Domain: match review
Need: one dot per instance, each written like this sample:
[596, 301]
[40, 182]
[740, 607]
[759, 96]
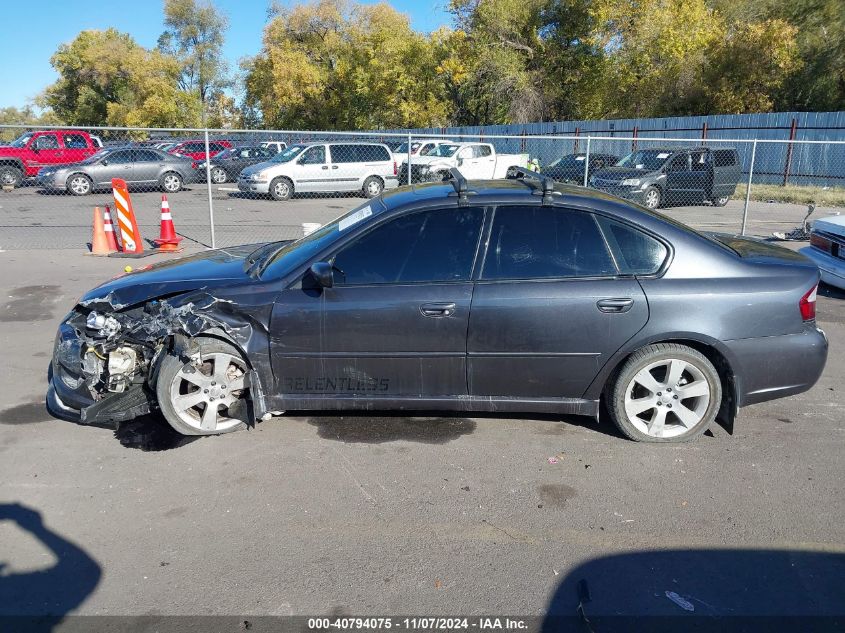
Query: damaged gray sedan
[515, 295]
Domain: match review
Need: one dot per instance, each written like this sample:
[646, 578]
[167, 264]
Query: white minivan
[323, 167]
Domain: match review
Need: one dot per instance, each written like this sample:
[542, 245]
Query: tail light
[807, 305]
[395, 171]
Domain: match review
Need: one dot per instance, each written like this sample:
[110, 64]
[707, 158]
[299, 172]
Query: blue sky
[30, 38]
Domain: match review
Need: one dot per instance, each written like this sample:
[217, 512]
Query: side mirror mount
[104, 162]
[323, 274]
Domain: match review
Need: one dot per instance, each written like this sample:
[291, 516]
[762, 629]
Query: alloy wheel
[80, 185]
[667, 398]
[205, 395]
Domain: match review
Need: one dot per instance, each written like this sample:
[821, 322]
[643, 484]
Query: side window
[482, 151]
[466, 152]
[214, 147]
[75, 141]
[372, 154]
[679, 163]
[343, 153]
[315, 155]
[47, 141]
[426, 149]
[724, 158]
[119, 158]
[428, 246]
[544, 243]
[146, 156]
[636, 253]
[699, 161]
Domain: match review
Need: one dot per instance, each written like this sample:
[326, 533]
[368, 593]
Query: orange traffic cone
[167, 241]
[99, 242]
[109, 227]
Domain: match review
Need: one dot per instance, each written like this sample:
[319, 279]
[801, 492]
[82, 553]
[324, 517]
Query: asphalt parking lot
[340, 514]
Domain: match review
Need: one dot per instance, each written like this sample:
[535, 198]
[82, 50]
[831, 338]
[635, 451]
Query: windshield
[648, 159]
[444, 150]
[21, 141]
[573, 160]
[288, 154]
[297, 253]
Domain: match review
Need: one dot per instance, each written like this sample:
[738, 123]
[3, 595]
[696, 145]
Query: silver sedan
[147, 167]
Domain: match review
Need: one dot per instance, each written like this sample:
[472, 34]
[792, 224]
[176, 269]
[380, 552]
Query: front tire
[652, 198]
[720, 202]
[208, 398]
[10, 176]
[373, 187]
[281, 189]
[79, 185]
[171, 182]
[665, 393]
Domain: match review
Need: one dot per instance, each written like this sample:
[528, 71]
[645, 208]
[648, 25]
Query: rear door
[77, 147]
[345, 168]
[146, 165]
[726, 172]
[550, 306]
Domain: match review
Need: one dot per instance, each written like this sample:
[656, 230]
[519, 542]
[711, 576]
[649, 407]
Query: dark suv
[657, 177]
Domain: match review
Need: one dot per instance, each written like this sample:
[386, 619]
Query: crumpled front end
[105, 363]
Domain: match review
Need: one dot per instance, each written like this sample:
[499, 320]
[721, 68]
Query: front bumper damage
[107, 374]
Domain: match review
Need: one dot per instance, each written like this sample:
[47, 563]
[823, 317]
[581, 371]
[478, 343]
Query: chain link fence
[227, 187]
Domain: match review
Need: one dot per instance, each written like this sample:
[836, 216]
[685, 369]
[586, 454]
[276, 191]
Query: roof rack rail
[547, 185]
[459, 183]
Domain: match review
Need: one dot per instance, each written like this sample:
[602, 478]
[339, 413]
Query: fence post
[587, 162]
[575, 143]
[748, 186]
[409, 158]
[634, 141]
[788, 165]
[208, 184]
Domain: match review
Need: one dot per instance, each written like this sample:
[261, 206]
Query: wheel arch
[710, 348]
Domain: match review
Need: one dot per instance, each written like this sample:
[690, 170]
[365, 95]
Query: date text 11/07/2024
[419, 623]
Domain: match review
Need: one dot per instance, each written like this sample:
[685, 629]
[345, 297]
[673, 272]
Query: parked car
[827, 249]
[508, 295]
[137, 166]
[324, 167]
[23, 157]
[658, 177]
[570, 168]
[196, 149]
[422, 147]
[226, 166]
[475, 160]
[275, 146]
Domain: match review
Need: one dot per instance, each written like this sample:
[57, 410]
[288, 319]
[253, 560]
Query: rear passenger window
[75, 141]
[482, 150]
[544, 243]
[636, 253]
[724, 158]
[429, 246]
[372, 153]
[343, 153]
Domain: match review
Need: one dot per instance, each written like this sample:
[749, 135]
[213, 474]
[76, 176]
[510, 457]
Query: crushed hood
[217, 268]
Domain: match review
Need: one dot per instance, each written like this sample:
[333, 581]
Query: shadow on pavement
[718, 590]
[39, 600]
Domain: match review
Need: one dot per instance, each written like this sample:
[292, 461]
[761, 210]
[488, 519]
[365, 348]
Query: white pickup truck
[476, 161]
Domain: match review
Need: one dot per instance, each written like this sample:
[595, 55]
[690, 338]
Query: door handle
[614, 305]
[334, 166]
[438, 309]
[325, 166]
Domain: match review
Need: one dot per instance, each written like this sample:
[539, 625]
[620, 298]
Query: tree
[333, 65]
[106, 78]
[194, 36]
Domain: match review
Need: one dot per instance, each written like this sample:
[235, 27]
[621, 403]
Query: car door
[466, 161]
[345, 168]
[549, 307]
[485, 161]
[679, 179]
[394, 324]
[146, 166]
[76, 147]
[311, 170]
[117, 164]
[48, 150]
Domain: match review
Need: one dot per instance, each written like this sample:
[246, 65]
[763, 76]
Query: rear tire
[720, 202]
[10, 176]
[281, 189]
[665, 393]
[208, 399]
[373, 187]
[219, 175]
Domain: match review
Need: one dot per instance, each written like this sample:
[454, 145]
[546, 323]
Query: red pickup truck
[24, 156]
